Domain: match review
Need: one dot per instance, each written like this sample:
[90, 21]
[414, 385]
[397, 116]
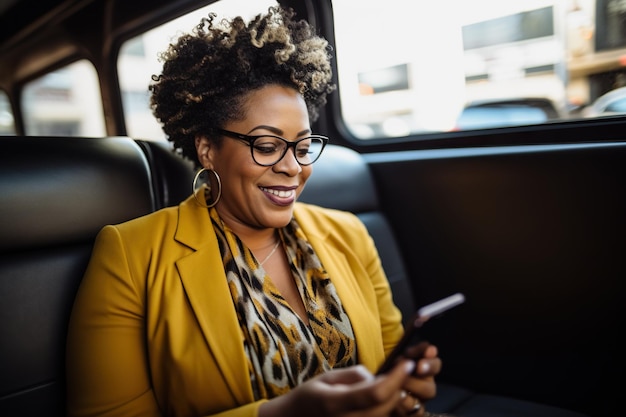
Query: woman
[241, 301]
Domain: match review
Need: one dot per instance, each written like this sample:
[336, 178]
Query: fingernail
[424, 367]
[409, 366]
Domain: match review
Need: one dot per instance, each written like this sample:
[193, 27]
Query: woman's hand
[348, 392]
[420, 386]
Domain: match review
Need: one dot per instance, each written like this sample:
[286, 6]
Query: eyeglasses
[267, 150]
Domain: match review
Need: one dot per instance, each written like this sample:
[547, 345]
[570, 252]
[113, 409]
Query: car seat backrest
[55, 195]
[172, 176]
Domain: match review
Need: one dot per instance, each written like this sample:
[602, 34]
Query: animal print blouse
[282, 350]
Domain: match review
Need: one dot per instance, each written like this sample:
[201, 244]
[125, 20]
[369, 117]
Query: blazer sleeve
[108, 367]
[107, 364]
[388, 313]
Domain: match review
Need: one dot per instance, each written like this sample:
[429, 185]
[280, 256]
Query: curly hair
[208, 74]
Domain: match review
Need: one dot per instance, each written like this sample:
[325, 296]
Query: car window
[7, 125]
[436, 60]
[611, 103]
[618, 106]
[65, 102]
[485, 117]
[139, 60]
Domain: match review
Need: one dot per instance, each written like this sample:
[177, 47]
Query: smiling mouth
[278, 193]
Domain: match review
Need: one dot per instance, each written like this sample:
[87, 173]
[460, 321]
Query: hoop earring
[203, 190]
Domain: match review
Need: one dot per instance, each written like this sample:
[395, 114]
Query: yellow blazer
[154, 332]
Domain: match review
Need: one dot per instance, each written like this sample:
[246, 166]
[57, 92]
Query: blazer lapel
[204, 281]
[203, 278]
[366, 327]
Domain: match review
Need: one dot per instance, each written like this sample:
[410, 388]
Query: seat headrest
[57, 190]
[341, 179]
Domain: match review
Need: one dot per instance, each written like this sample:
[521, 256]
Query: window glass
[7, 125]
[139, 60]
[473, 64]
[65, 102]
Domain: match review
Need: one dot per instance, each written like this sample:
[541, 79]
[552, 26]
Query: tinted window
[66, 102]
[7, 126]
[618, 106]
[420, 67]
[484, 117]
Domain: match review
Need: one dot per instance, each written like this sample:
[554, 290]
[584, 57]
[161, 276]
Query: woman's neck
[255, 239]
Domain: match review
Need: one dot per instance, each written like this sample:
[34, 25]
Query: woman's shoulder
[164, 217]
[183, 223]
[144, 231]
[323, 217]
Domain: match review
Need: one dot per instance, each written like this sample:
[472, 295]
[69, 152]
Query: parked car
[506, 112]
[611, 103]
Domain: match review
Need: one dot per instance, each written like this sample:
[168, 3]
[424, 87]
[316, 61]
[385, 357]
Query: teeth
[278, 193]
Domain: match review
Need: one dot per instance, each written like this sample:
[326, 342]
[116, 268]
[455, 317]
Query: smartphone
[410, 337]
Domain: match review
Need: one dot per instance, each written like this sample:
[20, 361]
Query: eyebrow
[277, 131]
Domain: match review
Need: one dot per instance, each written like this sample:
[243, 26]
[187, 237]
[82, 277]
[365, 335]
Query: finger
[431, 352]
[423, 388]
[381, 393]
[385, 408]
[349, 376]
[428, 367]
[409, 406]
[414, 406]
[422, 350]
[428, 363]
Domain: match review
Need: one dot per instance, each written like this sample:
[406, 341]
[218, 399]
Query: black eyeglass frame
[250, 139]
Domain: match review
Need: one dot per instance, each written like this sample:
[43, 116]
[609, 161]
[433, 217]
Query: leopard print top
[282, 350]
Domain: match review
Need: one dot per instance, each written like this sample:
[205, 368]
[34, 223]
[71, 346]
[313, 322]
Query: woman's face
[255, 196]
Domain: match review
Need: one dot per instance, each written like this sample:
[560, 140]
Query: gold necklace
[271, 253]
